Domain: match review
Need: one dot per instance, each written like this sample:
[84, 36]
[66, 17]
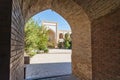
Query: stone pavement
[67, 77]
[50, 58]
[55, 63]
[34, 71]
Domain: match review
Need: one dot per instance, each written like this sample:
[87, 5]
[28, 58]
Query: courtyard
[56, 63]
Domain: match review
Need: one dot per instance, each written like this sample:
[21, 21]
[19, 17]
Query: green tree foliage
[67, 41]
[30, 35]
[42, 38]
[36, 37]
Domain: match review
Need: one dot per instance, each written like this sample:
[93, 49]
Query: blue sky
[52, 16]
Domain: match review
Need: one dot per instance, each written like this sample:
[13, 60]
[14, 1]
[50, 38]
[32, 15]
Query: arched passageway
[80, 30]
[57, 61]
[95, 26]
[82, 38]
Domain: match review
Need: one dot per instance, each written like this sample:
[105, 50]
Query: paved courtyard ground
[54, 65]
[67, 77]
[54, 56]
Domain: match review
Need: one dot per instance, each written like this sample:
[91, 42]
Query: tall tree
[36, 37]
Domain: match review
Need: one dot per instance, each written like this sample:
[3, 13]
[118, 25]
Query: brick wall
[106, 47]
[98, 8]
[17, 43]
[81, 37]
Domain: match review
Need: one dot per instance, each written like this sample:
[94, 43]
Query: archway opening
[55, 62]
[81, 33]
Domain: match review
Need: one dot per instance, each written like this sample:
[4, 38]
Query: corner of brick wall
[106, 47]
[17, 43]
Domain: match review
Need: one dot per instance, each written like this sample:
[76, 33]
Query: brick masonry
[80, 15]
[106, 47]
[98, 8]
[17, 43]
[81, 28]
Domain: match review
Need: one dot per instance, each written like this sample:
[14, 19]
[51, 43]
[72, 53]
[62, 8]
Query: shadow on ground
[48, 71]
[65, 77]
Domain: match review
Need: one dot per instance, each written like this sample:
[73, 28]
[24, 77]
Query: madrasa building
[55, 35]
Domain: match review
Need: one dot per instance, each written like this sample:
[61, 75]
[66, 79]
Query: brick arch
[81, 30]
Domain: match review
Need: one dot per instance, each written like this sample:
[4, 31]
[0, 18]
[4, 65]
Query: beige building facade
[55, 35]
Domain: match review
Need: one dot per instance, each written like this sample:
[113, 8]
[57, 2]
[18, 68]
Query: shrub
[67, 44]
[46, 50]
[31, 54]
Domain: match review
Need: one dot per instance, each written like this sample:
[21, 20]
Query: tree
[67, 41]
[30, 35]
[36, 37]
[42, 38]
